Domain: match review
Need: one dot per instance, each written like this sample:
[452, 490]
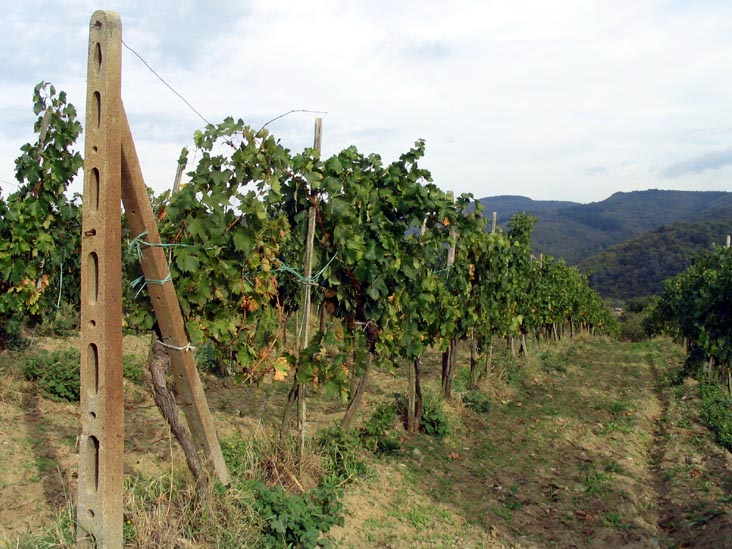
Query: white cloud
[524, 97]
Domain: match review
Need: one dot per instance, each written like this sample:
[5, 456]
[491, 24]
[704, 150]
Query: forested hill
[575, 232]
[638, 267]
[508, 205]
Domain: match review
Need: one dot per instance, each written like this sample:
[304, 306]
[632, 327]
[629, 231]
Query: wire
[195, 110]
[288, 113]
[164, 82]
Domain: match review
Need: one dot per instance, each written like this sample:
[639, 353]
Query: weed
[510, 502]
[298, 520]
[596, 482]
[132, 369]
[477, 401]
[378, 434]
[240, 454]
[621, 425]
[461, 381]
[618, 408]
[343, 453]
[63, 322]
[613, 467]
[57, 373]
[169, 511]
[550, 363]
[486, 451]
[434, 419]
[507, 367]
[612, 518]
[501, 512]
[418, 517]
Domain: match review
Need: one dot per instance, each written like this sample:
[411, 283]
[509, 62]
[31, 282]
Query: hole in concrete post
[92, 463]
[93, 278]
[94, 189]
[98, 56]
[97, 108]
[92, 366]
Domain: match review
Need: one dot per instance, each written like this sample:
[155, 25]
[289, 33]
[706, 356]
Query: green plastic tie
[311, 280]
[142, 282]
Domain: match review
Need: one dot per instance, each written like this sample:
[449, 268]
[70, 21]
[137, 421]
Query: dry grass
[171, 512]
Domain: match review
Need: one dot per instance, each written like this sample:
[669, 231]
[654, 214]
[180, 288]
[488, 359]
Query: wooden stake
[450, 356]
[306, 298]
[101, 443]
[179, 173]
[186, 381]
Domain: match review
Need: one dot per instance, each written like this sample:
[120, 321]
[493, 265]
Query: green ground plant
[379, 434]
[298, 520]
[477, 401]
[343, 453]
[716, 411]
[55, 373]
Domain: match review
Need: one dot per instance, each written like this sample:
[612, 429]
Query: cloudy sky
[562, 99]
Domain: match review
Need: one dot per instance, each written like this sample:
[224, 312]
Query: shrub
[343, 453]
[298, 520]
[378, 434]
[434, 420]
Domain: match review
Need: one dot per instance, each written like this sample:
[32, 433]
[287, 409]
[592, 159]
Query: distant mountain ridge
[574, 231]
[508, 205]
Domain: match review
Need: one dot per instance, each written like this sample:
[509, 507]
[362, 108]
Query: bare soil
[584, 446]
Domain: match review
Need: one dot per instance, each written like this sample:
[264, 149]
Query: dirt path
[582, 448]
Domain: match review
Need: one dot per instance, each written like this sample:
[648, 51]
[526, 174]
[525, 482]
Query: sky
[554, 100]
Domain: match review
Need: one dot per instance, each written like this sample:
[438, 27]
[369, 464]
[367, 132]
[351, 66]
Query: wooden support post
[306, 298]
[186, 381]
[411, 400]
[178, 176]
[494, 223]
[453, 236]
[101, 443]
[449, 358]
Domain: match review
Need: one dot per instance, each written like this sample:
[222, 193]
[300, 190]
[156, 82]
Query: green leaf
[186, 260]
